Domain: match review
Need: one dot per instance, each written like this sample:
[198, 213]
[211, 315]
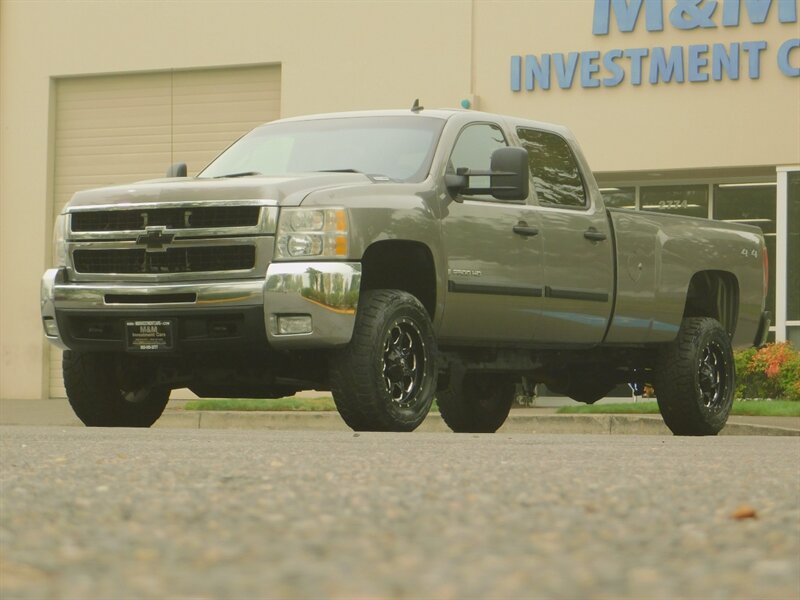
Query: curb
[330, 421]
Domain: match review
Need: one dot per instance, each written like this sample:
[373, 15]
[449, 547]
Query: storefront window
[751, 204]
[619, 197]
[793, 250]
[687, 200]
[793, 257]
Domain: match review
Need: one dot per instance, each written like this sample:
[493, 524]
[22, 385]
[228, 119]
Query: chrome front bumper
[327, 292]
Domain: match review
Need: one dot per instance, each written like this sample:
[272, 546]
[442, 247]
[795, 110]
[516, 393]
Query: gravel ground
[97, 513]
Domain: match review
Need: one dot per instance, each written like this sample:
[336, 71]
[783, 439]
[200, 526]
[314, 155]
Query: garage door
[123, 128]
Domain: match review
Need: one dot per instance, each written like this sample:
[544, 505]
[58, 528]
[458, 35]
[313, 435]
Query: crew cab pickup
[392, 257]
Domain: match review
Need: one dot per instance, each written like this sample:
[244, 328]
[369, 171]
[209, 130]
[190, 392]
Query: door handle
[594, 235]
[525, 230]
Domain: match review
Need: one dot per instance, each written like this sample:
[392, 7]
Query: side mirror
[510, 174]
[177, 170]
[509, 177]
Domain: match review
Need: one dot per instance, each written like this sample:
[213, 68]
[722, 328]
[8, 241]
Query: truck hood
[287, 190]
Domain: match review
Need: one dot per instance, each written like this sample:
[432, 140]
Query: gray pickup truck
[392, 257]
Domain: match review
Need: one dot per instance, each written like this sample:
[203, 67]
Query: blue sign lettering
[663, 68]
[691, 14]
[627, 15]
[617, 72]
[565, 70]
[754, 50]
[695, 63]
[686, 14]
[537, 71]
[783, 58]
[757, 11]
[724, 60]
[637, 56]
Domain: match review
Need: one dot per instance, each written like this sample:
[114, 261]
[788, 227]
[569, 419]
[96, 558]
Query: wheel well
[401, 265]
[714, 294]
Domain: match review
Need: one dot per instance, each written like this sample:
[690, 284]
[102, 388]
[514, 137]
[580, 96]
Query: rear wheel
[476, 402]
[385, 378]
[107, 390]
[694, 381]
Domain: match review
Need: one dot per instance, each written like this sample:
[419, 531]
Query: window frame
[587, 197]
[487, 198]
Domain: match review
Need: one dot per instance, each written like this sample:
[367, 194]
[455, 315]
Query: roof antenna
[415, 108]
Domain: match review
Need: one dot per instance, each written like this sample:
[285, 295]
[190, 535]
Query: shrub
[772, 371]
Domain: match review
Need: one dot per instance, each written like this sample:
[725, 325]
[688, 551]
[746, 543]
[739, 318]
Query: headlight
[305, 232]
[59, 241]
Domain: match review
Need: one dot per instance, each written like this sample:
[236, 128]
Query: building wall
[354, 55]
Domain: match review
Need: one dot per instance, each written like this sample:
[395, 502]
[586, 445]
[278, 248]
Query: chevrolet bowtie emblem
[156, 239]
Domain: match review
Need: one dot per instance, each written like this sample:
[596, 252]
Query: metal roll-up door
[124, 128]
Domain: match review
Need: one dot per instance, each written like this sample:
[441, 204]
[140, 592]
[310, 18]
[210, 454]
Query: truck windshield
[400, 148]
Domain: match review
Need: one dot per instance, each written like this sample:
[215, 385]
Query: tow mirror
[177, 170]
[509, 177]
[510, 174]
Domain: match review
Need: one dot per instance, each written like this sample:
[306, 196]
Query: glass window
[686, 200]
[752, 204]
[616, 197]
[397, 147]
[793, 252]
[556, 176]
[473, 151]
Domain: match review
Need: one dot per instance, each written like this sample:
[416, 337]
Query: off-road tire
[476, 402]
[695, 378]
[393, 348]
[94, 391]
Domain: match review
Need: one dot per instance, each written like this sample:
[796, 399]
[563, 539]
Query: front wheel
[694, 379]
[384, 380]
[107, 390]
[476, 402]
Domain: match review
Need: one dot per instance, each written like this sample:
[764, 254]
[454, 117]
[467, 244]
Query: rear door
[494, 254]
[577, 244]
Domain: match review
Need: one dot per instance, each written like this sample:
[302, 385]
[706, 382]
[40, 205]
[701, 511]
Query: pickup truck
[392, 257]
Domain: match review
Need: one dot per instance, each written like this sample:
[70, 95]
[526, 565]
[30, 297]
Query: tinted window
[473, 150]
[397, 147]
[555, 172]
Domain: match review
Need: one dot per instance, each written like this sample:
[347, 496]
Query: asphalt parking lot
[100, 513]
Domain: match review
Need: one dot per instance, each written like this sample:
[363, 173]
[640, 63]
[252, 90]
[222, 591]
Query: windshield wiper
[337, 171]
[244, 174]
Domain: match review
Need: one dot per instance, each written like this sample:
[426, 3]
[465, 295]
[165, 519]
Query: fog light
[50, 327]
[292, 325]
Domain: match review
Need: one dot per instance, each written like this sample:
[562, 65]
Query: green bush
[772, 371]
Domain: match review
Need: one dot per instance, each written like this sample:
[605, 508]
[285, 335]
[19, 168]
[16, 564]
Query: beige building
[680, 107]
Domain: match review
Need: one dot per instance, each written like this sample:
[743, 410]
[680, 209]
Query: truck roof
[437, 113]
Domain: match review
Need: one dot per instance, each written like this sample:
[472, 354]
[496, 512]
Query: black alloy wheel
[694, 378]
[384, 380]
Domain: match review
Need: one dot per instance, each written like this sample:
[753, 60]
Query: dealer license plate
[149, 336]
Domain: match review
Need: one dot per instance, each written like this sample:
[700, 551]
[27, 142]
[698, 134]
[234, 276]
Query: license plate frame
[149, 335]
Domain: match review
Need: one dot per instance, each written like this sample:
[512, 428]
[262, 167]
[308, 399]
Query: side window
[473, 150]
[556, 176]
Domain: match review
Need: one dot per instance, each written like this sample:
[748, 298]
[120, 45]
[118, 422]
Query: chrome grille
[194, 217]
[173, 260]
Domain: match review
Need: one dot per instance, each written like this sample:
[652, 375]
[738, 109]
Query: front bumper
[327, 292]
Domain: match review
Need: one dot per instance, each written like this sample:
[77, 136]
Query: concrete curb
[330, 421]
[55, 412]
